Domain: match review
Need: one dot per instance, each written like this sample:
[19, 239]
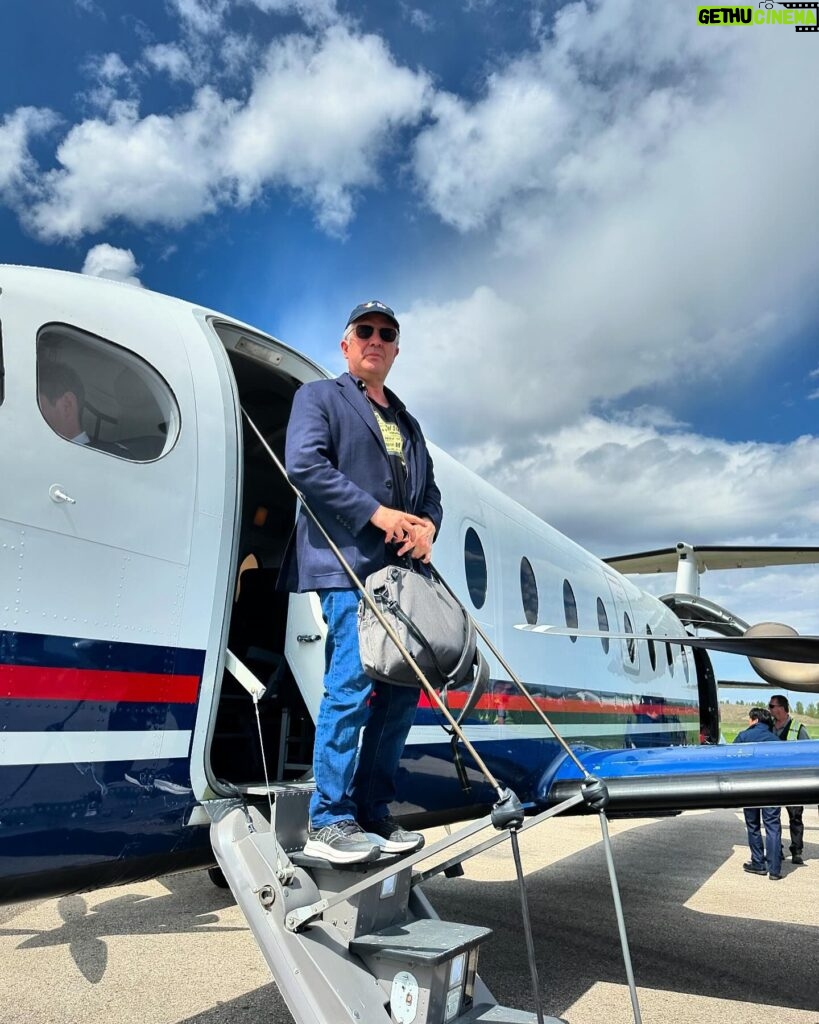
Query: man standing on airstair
[361, 462]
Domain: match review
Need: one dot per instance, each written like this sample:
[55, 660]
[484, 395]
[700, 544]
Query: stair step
[428, 941]
[503, 1015]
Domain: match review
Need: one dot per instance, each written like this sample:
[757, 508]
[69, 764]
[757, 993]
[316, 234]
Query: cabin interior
[259, 618]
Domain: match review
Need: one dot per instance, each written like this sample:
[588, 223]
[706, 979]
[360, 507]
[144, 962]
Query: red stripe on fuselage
[34, 682]
[513, 702]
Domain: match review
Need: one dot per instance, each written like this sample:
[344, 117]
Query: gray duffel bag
[432, 624]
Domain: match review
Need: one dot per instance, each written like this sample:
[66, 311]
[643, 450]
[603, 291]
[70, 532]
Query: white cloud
[314, 13]
[201, 16]
[112, 80]
[173, 59]
[422, 20]
[315, 123]
[639, 208]
[107, 261]
[157, 169]
[311, 123]
[630, 483]
[17, 166]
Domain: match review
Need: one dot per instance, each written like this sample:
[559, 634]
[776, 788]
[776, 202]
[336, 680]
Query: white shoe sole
[324, 852]
[389, 846]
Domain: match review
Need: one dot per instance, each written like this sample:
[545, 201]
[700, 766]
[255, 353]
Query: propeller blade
[803, 649]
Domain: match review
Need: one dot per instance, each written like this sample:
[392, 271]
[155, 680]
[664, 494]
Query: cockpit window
[95, 393]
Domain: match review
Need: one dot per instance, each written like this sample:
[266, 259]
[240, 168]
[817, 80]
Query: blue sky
[598, 222]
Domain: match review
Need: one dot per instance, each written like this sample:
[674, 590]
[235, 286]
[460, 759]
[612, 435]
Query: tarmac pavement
[710, 944]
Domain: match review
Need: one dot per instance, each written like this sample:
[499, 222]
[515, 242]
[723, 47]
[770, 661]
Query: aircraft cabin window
[570, 608]
[528, 591]
[652, 653]
[630, 643]
[95, 393]
[603, 624]
[475, 565]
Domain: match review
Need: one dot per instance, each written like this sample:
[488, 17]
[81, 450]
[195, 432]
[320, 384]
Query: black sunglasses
[365, 331]
[772, 706]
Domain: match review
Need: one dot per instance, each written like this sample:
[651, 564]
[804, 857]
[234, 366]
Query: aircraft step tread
[428, 940]
[503, 1015]
[288, 788]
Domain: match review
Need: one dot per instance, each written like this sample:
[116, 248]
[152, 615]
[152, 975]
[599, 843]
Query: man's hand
[411, 532]
[419, 544]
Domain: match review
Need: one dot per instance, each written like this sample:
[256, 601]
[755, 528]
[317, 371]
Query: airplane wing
[800, 649]
[683, 778]
[713, 557]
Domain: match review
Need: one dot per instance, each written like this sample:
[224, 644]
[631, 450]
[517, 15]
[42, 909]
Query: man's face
[369, 358]
[778, 711]
[62, 415]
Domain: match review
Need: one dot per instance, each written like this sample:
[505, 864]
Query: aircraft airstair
[361, 943]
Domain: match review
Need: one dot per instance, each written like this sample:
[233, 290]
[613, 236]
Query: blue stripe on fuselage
[93, 716]
[115, 655]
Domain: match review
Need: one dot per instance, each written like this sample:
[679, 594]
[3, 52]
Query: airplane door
[304, 647]
[100, 514]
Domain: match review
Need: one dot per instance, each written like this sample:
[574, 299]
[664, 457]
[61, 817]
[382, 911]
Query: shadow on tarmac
[84, 929]
[672, 948]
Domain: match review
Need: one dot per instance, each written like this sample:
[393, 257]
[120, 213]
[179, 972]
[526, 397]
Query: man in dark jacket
[785, 728]
[759, 731]
[363, 466]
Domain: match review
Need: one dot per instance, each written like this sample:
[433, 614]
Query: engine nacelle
[788, 675]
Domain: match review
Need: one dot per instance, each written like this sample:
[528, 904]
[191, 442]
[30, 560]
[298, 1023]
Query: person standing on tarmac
[785, 728]
[759, 731]
[362, 464]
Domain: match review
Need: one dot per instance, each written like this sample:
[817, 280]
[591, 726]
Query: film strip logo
[811, 5]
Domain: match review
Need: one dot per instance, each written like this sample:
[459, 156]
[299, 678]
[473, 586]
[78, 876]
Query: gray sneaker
[343, 842]
[393, 837]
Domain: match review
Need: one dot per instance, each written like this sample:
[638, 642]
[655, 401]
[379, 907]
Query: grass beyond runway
[734, 717]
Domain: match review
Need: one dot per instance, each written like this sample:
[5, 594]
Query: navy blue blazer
[336, 456]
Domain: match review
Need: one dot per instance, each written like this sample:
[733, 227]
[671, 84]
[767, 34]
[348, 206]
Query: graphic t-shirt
[387, 422]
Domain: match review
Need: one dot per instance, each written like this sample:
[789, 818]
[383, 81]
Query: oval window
[652, 653]
[630, 644]
[603, 624]
[99, 395]
[570, 608]
[528, 591]
[475, 566]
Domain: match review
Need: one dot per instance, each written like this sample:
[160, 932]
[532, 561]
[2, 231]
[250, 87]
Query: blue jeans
[771, 816]
[349, 783]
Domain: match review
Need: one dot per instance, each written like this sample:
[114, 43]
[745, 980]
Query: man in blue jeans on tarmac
[362, 464]
[760, 730]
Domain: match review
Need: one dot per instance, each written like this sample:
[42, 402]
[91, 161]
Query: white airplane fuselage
[119, 556]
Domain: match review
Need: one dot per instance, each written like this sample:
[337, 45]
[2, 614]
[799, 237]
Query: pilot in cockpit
[61, 396]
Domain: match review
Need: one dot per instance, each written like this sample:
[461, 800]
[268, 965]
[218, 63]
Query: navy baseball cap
[374, 306]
